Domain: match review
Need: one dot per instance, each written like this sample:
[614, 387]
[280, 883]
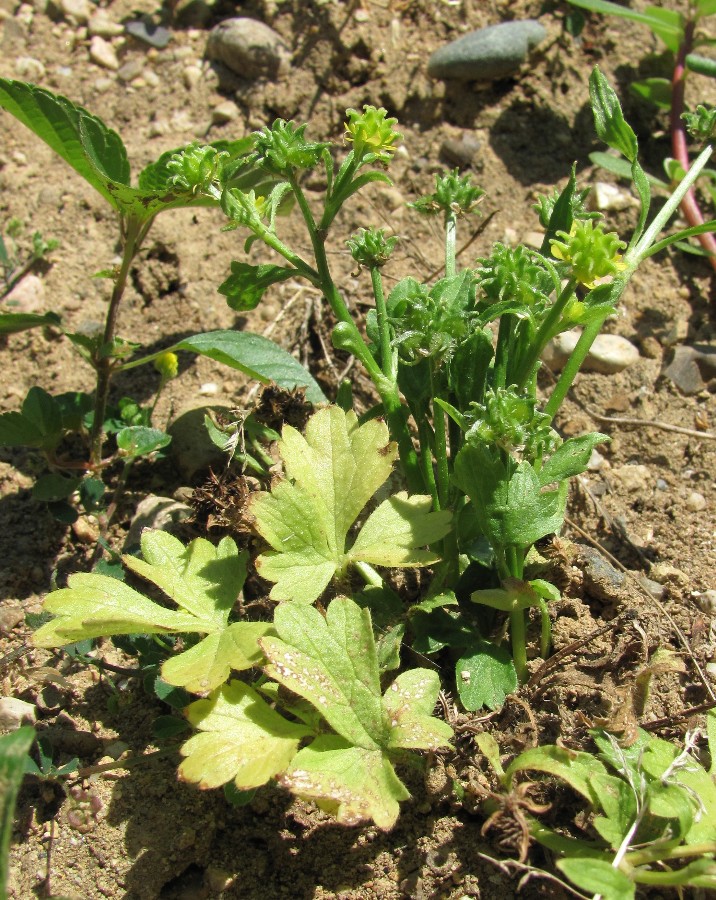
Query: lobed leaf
[241, 739]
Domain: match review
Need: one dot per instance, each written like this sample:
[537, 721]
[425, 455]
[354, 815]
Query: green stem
[133, 232]
[654, 854]
[450, 243]
[545, 332]
[387, 355]
[368, 573]
[572, 366]
[425, 437]
[514, 558]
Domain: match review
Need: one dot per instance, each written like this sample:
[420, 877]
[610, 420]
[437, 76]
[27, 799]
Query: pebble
[224, 112]
[103, 53]
[634, 478]
[706, 602]
[191, 448]
[148, 32]
[86, 530]
[596, 462]
[209, 389]
[130, 70]
[610, 198]
[76, 11]
[155, 512]
[193, 13]
[653, 588]
[664, 572]
[14, 713]
[695, 502]
[488, 54]
[249, 48]
[10, 617]
[691, 367]
[28, 295]
[191, 76]
[609, 354]
[460, 152]
[29, 69]
[101, 25]
[601, 580]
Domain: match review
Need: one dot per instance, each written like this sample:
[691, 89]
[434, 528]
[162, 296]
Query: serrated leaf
[240, 739]
[13, 753]
[247, 284]
[92, 149]
[332, 472]
[255, 356]
[570, 458]
[597, 876]
[410, 702]
[352, 783]
[484, 676]
[410, 523]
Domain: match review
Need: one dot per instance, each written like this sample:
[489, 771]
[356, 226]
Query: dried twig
[644, 423]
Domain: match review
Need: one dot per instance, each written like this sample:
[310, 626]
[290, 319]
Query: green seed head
[514, 274]
[453, 193]
[282, 148]
[372, 134]
[370, 247]
[590, 251]
[196, 168]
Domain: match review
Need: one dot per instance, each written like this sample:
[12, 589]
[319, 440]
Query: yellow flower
[167, 364]
[592, 252]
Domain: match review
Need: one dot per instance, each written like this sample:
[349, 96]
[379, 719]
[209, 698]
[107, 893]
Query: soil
[136, 832]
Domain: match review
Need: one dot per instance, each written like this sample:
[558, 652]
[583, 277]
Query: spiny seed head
[196, 168]
[701, 124]
[591, 252]
[514, 274]
[282, 148]
[370, 247]
[453, 193]
[371, 133]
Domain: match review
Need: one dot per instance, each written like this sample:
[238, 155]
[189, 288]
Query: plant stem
[387, 355]
[450, 243]
[544, 333]
[689, 204]
[572, 366]
[368, 573]
[518, 636]
[104, 364]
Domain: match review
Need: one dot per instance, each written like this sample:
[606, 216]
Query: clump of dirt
[133, 831]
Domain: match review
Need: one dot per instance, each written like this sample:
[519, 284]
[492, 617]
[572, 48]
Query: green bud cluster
[701, 124]
[591, 252]
[372, 134]
[511, 422]
[453, 193]
[282, 148]
[371, 248]
[425, 327]
[517, 274]
[196, 168]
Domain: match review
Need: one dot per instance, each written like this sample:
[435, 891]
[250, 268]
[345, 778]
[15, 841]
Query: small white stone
[224, 112]
[633, 478]
[706, 602]
[191, 76]
[77, 11]
[14, 713]
[695, 502]
[103, 54]
[533, 239]
[101, 25]
[28, 295]
[609, 197]
[210, 389]
[29, 68]
[610, 353]
[596, 461]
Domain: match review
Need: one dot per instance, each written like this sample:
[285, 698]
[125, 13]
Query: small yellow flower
[592, 252]
[167, 365]
[371, 132]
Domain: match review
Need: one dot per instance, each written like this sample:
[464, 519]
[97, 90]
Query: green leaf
[666, 24]
[512, 508]
[575, 767]
[247, 284]
[409, 702]
[706, 7]
[12, 323]
[609, 120]
[38, 425]
[485, 675]
[622, 168]
[332, 472]
[570, 458]
[255, 356]
[137, 440]
[204, 581]
[240, 739]
[54, 487]
[597, 876]
[13, 753]
[617, 800]
[351, 783]
[654, 90]
[92, 149]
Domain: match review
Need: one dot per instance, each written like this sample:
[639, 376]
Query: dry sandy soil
[652, 504]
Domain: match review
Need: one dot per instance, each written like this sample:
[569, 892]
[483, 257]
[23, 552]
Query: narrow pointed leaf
[13, 753]
[12, 323]
[240, 739]
[609, 120]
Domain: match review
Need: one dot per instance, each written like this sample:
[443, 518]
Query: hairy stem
[386, 353]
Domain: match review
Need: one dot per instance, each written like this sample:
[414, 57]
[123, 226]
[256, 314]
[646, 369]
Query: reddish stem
[689, 205]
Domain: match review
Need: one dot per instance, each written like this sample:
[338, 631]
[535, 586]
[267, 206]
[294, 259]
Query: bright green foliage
[13, 753]
[654, 811]
[196, 168]
[701, 123]
[517, 274]
[282, 148]
[330, 662]
[372, 134]
[203, 581]
[39, 424]
[331, 473]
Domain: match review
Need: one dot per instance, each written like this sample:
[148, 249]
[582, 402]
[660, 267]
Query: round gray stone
[488, 54]
[249, 48]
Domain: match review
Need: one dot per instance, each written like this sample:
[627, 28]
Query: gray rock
[193, 13]
[148, 32]
[691, 367]
[155, 512]
[488, 54]
[460, 152]
[28, 295]
[191, 448]
[601, 580]
[609, 353]
[130, 70]
[248, 48]
[14, 713]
